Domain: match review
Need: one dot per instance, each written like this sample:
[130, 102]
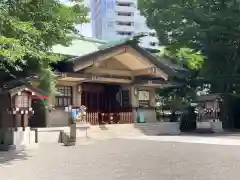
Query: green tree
[179, 97]
[211, 27]
[29, 29]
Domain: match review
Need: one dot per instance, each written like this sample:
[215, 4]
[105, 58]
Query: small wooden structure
[16, 107]
[208, 113]
[219, 108]
[208, 107]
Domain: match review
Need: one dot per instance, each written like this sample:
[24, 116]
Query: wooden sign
[143, 98]
[143, 103]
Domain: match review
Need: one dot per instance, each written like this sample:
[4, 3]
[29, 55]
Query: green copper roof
[82, 48]
[79, 47]
[133, 40]
[113, 43]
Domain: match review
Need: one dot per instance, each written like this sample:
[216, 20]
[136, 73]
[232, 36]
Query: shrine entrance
[108, 82]
[106, 103]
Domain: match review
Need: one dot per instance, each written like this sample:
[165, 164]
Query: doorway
[105, 101]
[38, 119]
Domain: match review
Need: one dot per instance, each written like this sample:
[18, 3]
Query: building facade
[117, 19]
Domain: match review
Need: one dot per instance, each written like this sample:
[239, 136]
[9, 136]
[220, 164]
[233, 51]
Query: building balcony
[125, 18]
[118, 37]
[125, 9]
[124, 28]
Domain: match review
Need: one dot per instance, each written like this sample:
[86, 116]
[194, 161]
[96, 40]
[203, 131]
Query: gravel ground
[122, 159]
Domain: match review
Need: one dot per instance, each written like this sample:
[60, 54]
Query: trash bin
[141, 117]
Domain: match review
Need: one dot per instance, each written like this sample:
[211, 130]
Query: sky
[85, 29]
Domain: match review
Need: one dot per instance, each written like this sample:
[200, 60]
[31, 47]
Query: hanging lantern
[135, 91]
[79, 88]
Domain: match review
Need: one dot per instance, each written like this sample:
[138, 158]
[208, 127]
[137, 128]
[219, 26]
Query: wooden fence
[95, 118]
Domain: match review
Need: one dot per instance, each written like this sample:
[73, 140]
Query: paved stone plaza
[125, 159]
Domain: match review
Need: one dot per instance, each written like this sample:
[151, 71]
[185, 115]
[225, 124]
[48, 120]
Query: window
[122, 33]
[64, 99]
[124, 23]
[126, 4]
[22, 101]
[125, 14]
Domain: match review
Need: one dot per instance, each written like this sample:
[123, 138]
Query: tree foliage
[179, 97]
[211, 27]
[29, 29]
[185, 57]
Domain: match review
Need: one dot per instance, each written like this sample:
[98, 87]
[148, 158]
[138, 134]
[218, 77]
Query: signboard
[75, 113]
[143, 103]
[143, 98]
[79, 114]
[143, 95]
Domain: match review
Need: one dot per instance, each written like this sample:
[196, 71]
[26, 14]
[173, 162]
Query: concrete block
[217, 127]
[23, 137]
[204, 125]
[170, 128]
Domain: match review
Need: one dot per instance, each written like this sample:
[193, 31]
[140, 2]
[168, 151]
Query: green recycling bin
[141, 117]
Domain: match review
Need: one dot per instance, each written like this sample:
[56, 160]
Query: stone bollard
[73, 131]
[36, 135]
[60, 137]
[68, 140]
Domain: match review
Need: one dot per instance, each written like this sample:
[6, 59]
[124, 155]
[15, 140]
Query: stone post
[73, 131]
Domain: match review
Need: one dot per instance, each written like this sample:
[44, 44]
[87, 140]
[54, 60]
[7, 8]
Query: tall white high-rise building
[116, 19]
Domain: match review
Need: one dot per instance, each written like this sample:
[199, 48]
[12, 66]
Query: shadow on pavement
[103, 127]
[6, 157]
[152, 130]
[208, 134]
[147, 129]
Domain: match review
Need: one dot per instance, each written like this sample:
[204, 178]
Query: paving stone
[123, 159]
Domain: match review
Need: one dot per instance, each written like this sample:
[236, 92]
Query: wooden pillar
[14, 116]
[97, 115]
[97, 101]
[22, 121]
[86, 104]
[18, 120]
[78, 95]
[25, 120]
